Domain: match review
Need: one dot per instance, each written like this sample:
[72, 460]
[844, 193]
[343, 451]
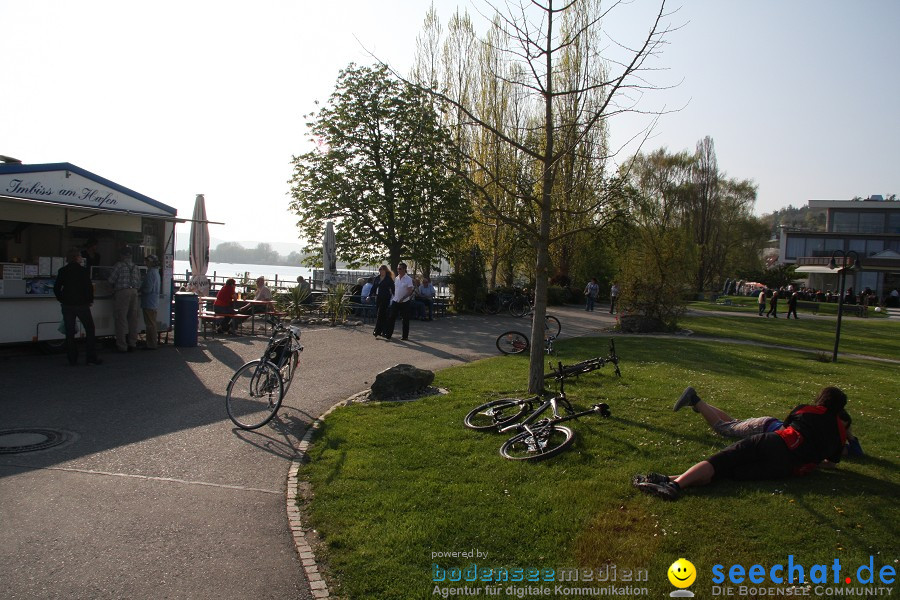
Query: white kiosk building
[45, 209]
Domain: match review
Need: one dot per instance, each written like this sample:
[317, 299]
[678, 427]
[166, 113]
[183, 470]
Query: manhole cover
[13, 441]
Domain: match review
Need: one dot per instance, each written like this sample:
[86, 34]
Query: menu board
[44, 264]
[13, 271]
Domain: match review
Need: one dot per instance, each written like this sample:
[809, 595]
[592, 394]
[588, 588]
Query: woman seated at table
[263, 294]
[224, 305]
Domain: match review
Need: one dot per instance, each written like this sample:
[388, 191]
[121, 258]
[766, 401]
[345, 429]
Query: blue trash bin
[187, 308]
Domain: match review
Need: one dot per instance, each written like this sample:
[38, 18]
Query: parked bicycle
[539, 438]
[516, 342]
[257, 389]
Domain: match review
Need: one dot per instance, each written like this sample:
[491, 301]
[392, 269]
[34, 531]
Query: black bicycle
[256, 390]
[516, 342]
[513, 301]
[539, 439]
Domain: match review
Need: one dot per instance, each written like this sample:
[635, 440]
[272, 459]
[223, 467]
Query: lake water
[285, 273]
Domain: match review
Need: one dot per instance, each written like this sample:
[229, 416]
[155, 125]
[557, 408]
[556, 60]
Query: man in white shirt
[401, 302]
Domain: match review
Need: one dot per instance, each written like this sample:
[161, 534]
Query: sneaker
[668, 490]
[688, 398]
[94, 361]
[649, 477]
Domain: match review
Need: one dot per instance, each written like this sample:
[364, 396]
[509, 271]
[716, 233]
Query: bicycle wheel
[289, 370]
[512, 342]
[495, 413]
[254, 394]
[552, 326]
[518, 308]
[542, 442]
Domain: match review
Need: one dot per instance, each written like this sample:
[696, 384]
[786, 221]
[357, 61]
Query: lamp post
[845, 256]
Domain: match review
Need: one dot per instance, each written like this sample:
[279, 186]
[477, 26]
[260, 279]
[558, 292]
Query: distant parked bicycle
[516, 342]
[539, 439]
[257, 389]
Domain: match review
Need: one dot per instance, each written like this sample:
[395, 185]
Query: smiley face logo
[682, 573]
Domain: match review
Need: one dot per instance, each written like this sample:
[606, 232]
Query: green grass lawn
[749, 304]
[868, 337]
[395, 483]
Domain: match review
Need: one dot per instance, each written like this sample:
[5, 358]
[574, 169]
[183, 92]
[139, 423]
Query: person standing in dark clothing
[90, 254]
[792, 305]
[75, 293]
[383, 290]
[773, 305]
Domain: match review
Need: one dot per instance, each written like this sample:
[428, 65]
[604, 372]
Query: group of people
[592, 292]
[134, 295]
[226, 304]
[792, 299]
[398, 296]
[811, 436]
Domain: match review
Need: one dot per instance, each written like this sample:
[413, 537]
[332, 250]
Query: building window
[858, 246]
[844, 222]
[874, 247]
[794, 247]
[815, 247]
[832, 244]
[871, 222]
[893, 222]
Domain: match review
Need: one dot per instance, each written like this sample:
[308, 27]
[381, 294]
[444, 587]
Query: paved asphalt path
[156, 494]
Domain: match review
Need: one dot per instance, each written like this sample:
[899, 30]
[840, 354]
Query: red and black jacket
[814, 434]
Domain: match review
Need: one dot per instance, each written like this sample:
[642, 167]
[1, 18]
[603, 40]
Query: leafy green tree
[381, 171]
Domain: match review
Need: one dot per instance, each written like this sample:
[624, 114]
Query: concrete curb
[304, 550]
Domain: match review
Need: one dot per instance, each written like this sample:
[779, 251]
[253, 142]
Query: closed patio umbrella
[329, 256]
[199, 257]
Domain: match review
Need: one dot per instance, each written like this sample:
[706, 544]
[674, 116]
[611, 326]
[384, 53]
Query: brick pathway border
[307, 557]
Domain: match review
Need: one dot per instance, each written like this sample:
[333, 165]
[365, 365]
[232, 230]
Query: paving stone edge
[304, 550]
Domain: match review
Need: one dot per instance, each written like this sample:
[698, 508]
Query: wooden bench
[439, 307]
[366, 312]
[208, 318]
[807, 305]
[854, 309]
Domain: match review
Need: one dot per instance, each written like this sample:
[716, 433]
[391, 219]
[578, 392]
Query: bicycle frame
[293, 338]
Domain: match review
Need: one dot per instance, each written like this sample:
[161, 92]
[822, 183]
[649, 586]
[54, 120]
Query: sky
[177, 98]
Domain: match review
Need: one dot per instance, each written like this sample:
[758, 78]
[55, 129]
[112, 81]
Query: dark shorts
[763, 456]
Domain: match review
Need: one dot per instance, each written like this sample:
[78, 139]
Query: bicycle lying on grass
[516, 342]
[539, 439]
[257, 389]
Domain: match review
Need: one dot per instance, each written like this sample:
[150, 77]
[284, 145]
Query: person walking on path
[773, 305]
[75, 293]
[401, 303]
[150, 301]
[762, 302]
[613, 297]
[591, 291]
[792, 305]
[383, 290]
[125, 281]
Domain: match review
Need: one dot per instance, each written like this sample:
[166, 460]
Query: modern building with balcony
[870, 228]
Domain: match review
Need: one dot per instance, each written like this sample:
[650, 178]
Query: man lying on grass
[726, 426]
[810, 435]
